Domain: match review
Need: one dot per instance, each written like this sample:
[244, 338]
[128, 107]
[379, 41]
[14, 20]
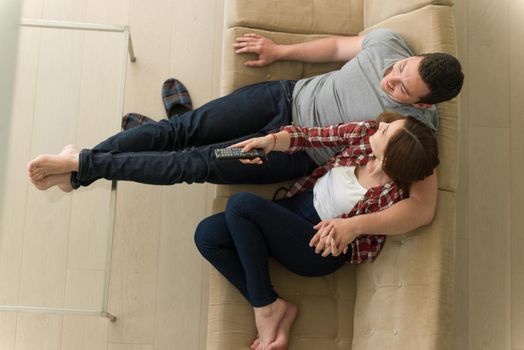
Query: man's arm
[332, 49]
[333, 236]
[406, 215]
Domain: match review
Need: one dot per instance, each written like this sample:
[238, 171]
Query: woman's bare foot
[255, 343]
[63, 181]
[284, 328]
[51, 164]
[267, 319]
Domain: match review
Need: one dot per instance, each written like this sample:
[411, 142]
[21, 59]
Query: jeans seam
[287, 92]
[80, 164]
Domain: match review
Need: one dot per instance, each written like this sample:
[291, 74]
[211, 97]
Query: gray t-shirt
[353, 93]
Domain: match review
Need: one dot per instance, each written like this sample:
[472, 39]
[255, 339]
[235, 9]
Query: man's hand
[257, 44]
[333, 237]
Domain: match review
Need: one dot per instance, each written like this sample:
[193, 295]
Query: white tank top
[337, 192]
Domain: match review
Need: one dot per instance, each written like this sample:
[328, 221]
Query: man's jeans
[181, 149]
[239, 241]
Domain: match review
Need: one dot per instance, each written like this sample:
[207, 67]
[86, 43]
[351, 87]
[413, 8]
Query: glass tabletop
[55, 247]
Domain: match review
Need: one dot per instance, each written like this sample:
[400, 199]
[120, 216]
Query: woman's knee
[203, 235]
[211, 234]
[243, 203]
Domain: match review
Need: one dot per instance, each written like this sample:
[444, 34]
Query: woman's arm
[271, 142]
[331, 136]
[294, 138]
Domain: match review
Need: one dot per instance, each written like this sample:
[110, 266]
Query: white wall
[489, 265]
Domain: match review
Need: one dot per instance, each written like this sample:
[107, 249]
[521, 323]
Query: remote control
[236, 153]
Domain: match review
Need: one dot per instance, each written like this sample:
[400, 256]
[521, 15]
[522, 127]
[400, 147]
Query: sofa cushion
[376, 11]
[296, 16]
[404, 297]
[435, 32]
[325, 310]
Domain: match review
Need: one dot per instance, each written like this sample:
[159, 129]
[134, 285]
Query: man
[382, 74]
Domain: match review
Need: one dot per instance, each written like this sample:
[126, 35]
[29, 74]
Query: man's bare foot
[63, 181]
[51, 164]
[267, 319]
[284, 328]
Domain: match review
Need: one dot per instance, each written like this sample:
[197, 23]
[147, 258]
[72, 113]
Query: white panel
[134, 291]
[84, 289]
[15, 199]
[70, 10]
[116, 346]
[108, 12]
[488, 61]
[516, 54]
[135, 263]
[517, 237]
[54, 125]
[488, 215]
[150, 24]
[84, 333]
[180, 267]
[98, 118]
[7, 330]
[38, 331]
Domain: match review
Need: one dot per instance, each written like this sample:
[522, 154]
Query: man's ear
[422, 105]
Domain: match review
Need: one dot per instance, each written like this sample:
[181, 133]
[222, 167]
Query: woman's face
[379, 140]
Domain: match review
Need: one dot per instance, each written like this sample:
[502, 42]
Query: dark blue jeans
[239, 241]
[181, 149]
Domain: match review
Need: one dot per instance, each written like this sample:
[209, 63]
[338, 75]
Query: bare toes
[255, 343]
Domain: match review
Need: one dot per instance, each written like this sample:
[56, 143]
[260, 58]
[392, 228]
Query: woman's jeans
[181, 149]
[239, 241]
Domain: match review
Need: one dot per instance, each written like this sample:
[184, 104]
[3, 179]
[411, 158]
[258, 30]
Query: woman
[375, 169]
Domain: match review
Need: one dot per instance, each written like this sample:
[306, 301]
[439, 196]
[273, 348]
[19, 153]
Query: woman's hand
[333, 237]
[267, 143]
[265, 48]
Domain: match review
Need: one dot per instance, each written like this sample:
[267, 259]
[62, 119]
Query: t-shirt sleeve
[386, 38]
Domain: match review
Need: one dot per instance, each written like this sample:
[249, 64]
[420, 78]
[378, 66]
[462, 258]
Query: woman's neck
[373, 169]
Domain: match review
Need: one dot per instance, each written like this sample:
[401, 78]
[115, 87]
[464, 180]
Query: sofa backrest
[332, 17]
[376, 11]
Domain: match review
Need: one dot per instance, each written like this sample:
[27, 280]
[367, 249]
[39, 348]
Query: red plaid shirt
[355, 136]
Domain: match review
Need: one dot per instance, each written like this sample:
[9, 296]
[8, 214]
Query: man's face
[403, 83]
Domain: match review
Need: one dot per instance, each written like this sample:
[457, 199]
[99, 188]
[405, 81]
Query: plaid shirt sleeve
[340, 135]
[367, 247]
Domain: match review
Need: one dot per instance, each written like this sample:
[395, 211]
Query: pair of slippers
[176, 101]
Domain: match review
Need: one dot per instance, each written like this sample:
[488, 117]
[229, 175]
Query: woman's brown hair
[411, 154]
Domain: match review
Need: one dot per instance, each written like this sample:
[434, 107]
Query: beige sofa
[403, 300]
